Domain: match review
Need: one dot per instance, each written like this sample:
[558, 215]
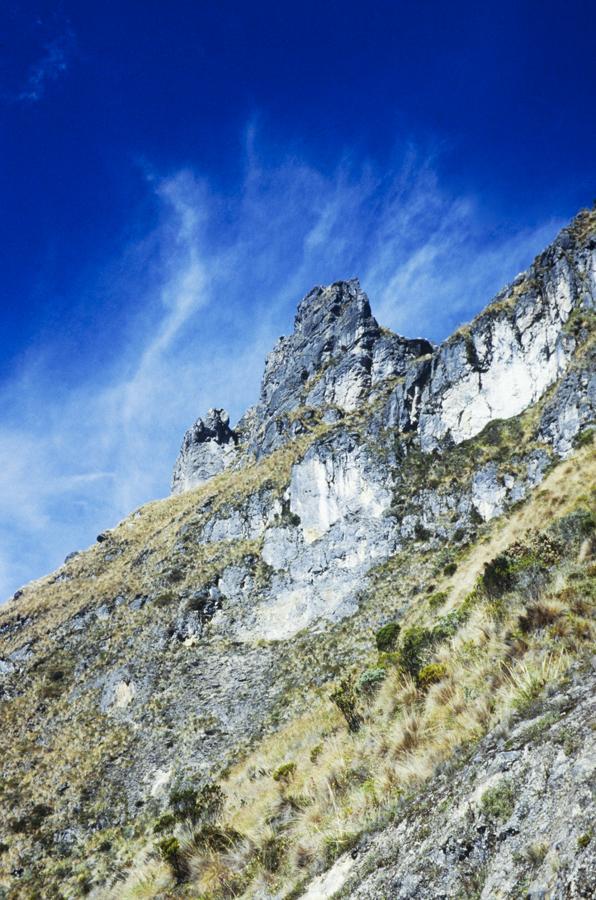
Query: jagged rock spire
[335, 357]
[207, 449]
[338, 359]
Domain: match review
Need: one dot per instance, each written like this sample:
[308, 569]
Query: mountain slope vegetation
[290, 677]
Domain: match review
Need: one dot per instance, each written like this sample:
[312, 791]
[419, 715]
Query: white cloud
[227, 273]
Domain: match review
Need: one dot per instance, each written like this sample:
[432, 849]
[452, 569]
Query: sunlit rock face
[506, 361]
[331, 485]
[207, 449]
[374, 398]
[336, 531]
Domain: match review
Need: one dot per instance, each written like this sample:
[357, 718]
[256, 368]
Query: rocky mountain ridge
[339, 358]
[201, 639]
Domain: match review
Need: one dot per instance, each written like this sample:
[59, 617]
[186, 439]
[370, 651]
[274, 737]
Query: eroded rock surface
[207, 449]
[534, 840]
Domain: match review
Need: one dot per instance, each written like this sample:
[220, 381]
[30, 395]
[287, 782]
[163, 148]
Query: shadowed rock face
[335, 357]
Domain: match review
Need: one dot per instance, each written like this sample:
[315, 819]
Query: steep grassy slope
[462, 662]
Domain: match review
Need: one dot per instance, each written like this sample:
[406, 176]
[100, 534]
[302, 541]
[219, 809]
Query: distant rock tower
[207, 449]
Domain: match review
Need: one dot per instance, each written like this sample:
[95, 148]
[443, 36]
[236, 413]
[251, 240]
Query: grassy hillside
[480, 649]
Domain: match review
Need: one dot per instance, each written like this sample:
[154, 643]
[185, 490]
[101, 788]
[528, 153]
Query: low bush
[170, 851]
[370, 681]
[498, 577]
[32, 820]
[415, 642]
[164, 823]
[316, 752]
[437, 599]
[165, 598]
[584, 839]
[204, 805]
[431, 674]
[498, 802]
[215, 838]
[285, 772]
[344, 698]
[387, 636]
[584, 438]
[272, 852]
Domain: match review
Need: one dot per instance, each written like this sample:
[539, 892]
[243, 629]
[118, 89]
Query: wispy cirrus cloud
[226, 273]
[54, 53]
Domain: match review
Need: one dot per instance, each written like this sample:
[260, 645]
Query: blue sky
[175, 176]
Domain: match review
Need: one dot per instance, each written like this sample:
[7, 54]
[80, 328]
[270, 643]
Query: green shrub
[536, 852]
[316, 752]
[183, 803]
[335, 845]
[344, 698]
[211, 802]
[32, 820]
[204, 805]
[386, 637]
[584, 438]
[370, 680]
[584, 839]
[388, 659]
[272, 852]
[165, 598]
[215, 838]
[498, 577]
[450, 568]
[285, 772]
[415, 642]
[431, 673]
[168, 820]
[498, 802]
[448, 625]
[170, 851]
[175, 575]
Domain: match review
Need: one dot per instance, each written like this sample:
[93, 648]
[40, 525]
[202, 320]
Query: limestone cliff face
[371, 467]
[333, 362]
[342, 494]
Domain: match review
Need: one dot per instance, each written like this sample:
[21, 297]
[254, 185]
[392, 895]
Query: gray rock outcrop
[338, 359]
[207, 449]
[345, 495]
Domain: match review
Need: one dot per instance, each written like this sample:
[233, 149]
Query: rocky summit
[352, 654]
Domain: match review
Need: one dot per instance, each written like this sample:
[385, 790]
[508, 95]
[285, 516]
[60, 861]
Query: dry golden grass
[344, 783]
[558, 493]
